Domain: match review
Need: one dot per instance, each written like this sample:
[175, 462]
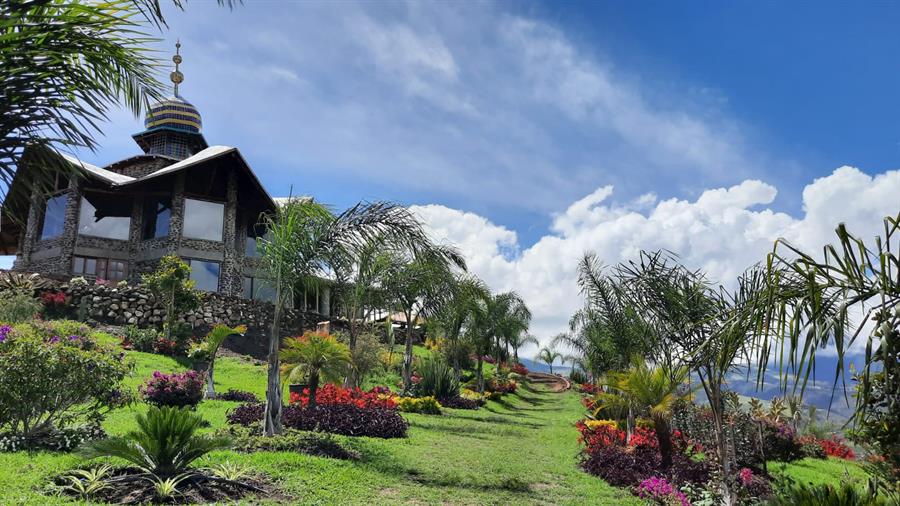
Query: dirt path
[553, 382]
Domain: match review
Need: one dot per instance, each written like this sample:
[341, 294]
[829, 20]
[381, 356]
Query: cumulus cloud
[723, 231]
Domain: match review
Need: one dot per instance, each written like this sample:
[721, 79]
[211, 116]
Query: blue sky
[529, 132]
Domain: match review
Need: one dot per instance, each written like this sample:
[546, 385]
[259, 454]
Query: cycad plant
[165, 444]
[437, 379]
[649, 391]
[320, 356]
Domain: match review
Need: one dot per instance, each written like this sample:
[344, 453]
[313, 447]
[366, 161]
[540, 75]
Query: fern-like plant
[320, 356]
[86, 483]
[845, 494]
[438, 379]
[165, 444]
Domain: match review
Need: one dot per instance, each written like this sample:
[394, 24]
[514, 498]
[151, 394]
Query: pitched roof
[108, 176]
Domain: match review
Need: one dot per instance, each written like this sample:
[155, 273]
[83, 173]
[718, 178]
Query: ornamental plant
[172, 286]
[176, 389]
[332, 394]
[423, 405]
[345, 419]
[319, 356]
[50, 384]
[659, 491]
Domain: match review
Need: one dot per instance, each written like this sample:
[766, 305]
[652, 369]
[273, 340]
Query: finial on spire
[176, 76]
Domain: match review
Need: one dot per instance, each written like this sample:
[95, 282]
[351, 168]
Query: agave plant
[86, 483]
[165, 444]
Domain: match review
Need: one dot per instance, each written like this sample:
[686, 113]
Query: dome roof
[175, 113]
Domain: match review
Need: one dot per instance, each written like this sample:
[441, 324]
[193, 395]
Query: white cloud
[723, 231]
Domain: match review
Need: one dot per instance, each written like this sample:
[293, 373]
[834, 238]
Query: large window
[105, 216]
[54, 216]
[157, 212]
[203, 220]
[102, 268]
[205, 275]
[255, 232]
[258, 289]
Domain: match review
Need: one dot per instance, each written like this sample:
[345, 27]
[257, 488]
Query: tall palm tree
[548, 355]
[644, 390]
[493, 318]
[457, 312]
[304, 240]
[320, 356]
[419, 285]
[519, 340]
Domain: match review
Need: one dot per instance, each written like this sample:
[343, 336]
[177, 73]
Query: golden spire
[176, 76]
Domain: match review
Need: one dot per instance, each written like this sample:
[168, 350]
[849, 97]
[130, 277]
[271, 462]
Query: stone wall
[110, 304]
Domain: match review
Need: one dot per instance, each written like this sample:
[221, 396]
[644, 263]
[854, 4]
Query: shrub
[460, 402]
[588, 388]
[65, 439]
[810, 448]
[165, 444]
[836, 447]
[176, 389]
[619, 467]
[18, 306]
[55, 303]
[251, 439]
[365, 355]
[502, 387]
[780, 442]
[140, 339]
[846, 494]
[659, 491]
[238, 396]
[333, 394]
[753, 486]
[346, 419]
[437, 379]
[519, 369]
[172, 286]
[50, 384]
[423, 405]
[577, 376]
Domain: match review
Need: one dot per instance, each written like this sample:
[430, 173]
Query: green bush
[141, 339]
[49, 383]
[423, 405]
[18, 306]
[798, 494]
[437, 379]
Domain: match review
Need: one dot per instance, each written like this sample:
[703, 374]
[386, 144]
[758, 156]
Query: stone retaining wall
[110, 304]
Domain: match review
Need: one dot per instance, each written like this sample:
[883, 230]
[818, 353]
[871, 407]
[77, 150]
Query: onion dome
[174, 112]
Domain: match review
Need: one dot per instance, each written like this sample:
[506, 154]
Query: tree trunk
[715, 403]
[272, 418]
[313, 386]
[664, 436]
[479, 376]
[210, 387]
[408, 357]
[629, 424]
[352, 379]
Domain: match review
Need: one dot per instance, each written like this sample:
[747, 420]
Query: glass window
[248, 288]
[115, 270]
[110, 222]
[78, 265]
[258, 289]
[157, 212]
[203, 220]
[54, 216]
[110, 270]
[255, 231]
[205, 275]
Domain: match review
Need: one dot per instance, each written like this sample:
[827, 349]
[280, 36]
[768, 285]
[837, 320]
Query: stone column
[176, 225]
[70, 229]
[32, 225]
[230, 278]
[135, 236]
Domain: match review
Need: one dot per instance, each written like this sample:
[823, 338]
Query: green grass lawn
[818, 472]
[519, 451]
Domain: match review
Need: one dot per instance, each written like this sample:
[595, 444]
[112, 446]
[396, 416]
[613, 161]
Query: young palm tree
[304, 240]
[548, 355]
[493, 318]
[164, 445]
[212, 343]
[320, 356]
[644, 390]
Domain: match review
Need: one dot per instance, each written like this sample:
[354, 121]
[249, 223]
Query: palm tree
[320, 356]
[212, 343]
[456, 313]
[548, 355]
[419, 287]
[493, 318]
[644, 390]
[304, 240]
[519, 340]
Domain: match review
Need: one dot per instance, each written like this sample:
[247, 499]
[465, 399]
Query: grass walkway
[519, 451]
